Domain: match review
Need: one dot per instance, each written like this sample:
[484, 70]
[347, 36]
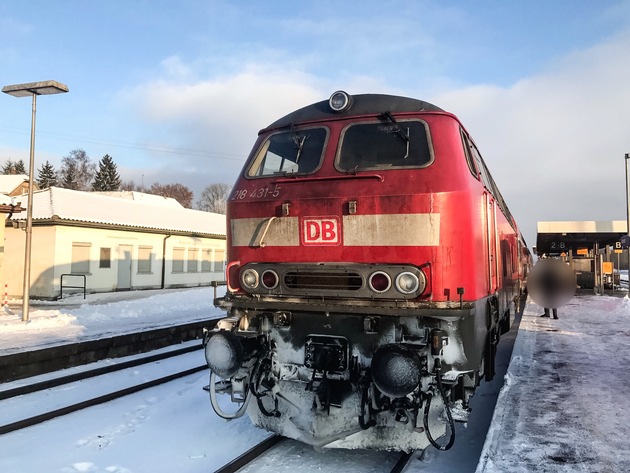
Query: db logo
[320, 231]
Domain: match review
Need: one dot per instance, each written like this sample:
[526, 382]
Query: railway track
[71, 382]
[254, 454]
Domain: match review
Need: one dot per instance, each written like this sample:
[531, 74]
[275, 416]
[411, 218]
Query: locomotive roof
[363, 104]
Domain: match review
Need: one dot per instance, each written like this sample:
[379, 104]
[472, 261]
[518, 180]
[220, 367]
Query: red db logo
[320, 231]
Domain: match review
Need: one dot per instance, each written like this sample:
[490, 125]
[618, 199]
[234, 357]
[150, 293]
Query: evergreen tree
[46, 176]
[69, 176]
[8, 167]
[107, 177]
[20, 167]
[13, 167]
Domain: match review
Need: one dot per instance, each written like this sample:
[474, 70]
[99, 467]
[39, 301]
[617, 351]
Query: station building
[111, 242]
[595, 250]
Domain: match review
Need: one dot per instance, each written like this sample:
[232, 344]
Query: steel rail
[402, 462]
[250, 455]
[54, 382]
[38, 419]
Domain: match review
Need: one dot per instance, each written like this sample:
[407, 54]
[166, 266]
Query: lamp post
[33, 89]
[627, 158]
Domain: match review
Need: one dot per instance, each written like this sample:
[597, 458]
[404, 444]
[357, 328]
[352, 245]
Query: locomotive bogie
[372, 268]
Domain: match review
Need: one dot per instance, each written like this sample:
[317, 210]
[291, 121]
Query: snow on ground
[102, 315]
[564, 406]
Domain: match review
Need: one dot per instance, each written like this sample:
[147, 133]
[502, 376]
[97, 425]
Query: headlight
[407, 283]
[340, 101]
[249, 278]
[380, 282]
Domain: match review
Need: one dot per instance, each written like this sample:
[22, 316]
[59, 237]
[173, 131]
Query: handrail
[261, 244]
[230, 265]
[73, 287]
[287, 180]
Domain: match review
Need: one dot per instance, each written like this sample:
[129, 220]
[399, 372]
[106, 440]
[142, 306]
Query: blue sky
[176, 91]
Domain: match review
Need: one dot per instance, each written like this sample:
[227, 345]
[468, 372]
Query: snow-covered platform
[73, 319]
[565, 405]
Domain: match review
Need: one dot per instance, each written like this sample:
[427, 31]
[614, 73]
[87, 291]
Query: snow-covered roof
[147, 198]
[8, 200]
[9, 182]
[56, 203]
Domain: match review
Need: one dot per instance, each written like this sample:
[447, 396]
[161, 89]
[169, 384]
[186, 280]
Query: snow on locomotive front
[363, 301]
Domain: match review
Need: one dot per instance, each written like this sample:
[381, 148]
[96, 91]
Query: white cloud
[555, 142]
[216, 120]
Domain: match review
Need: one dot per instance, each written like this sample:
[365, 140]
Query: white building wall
[53, 257]
[43, 253]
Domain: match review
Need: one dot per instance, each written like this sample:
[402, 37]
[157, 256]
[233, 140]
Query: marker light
[269, 279]
[380, 282]
[249, 278]
[340, 101]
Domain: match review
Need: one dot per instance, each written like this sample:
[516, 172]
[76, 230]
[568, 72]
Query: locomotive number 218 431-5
[258, 193]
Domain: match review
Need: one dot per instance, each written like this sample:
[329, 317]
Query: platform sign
[607, 267]
[557, 247]
[582, 251]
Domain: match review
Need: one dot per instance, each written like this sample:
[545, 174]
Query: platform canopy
[555, 238]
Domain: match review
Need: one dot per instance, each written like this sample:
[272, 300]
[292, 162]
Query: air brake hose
[451, 423]
[215, 404]
[256, 380]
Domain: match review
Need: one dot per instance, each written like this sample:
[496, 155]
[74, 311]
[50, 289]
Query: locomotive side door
[490, 232]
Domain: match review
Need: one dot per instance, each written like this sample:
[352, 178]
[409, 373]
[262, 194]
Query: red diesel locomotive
[372, 267]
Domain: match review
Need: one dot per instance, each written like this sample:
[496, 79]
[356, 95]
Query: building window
[193, 256]
[178, 260]
[219, 259]
[206, 260]
[80, 258]
[144, 259]
[106, 258]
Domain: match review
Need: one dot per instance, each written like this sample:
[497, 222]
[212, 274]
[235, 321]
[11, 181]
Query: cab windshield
[387, 144]
[289, 152]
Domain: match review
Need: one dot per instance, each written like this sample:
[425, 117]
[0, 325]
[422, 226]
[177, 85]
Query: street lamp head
[47, 87]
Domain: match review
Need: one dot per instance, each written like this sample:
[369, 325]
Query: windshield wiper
[401, 134]
[299, 143]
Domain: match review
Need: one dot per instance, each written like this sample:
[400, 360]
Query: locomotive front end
[339, 332]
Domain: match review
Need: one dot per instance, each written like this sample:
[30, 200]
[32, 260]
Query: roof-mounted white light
[340, 101]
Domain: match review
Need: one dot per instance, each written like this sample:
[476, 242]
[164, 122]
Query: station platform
[564, 404]
[74, 331]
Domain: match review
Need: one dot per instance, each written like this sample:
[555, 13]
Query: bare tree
[214, 198]
[179, 192]
[132, 186]
[77, 171]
